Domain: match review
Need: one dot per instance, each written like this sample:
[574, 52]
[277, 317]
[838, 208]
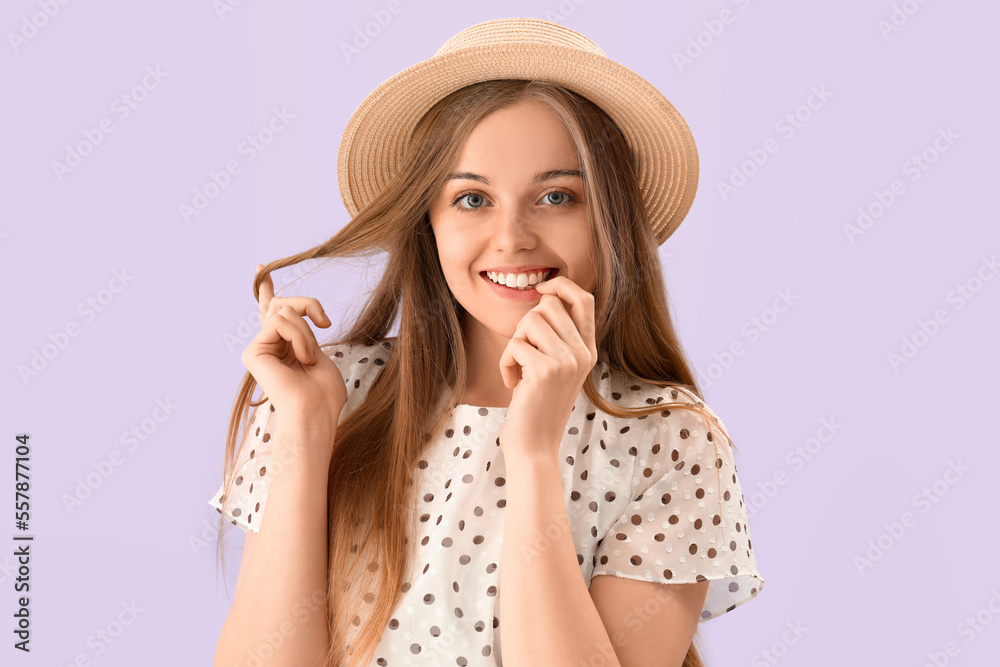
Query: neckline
[479, 407]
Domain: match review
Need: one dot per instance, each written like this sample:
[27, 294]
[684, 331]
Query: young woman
[450, 495]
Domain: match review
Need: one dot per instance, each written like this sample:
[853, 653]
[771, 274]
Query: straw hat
[378, 131]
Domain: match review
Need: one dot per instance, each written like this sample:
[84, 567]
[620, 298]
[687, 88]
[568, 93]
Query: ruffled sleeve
[248, 493]
[359, 364]
[687, 522]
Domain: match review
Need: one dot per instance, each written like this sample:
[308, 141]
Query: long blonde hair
[377, 446]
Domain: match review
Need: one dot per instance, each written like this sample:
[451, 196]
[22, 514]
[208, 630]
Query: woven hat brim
[376, 136]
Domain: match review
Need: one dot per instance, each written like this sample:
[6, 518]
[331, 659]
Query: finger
[295, 330]
[581, 306]
[264, 294]
[511, 372]
[537, 330]
[287, 327]
[303, 305]
[553, 309]
[518, 354]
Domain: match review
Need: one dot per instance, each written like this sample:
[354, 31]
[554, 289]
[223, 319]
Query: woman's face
[514, 203]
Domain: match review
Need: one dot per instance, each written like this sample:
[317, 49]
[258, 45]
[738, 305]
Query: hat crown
[518, 30]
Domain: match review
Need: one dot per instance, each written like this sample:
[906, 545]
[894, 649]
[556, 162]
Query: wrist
[304, 439]
[311, 420]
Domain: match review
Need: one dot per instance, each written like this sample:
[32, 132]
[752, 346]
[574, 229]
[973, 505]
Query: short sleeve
[248, 493]
[687, 522]
[359, 364]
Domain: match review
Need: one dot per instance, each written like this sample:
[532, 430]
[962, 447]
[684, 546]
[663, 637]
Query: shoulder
[623, 390]
[685, 423]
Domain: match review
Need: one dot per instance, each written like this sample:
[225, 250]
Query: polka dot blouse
[654, 499]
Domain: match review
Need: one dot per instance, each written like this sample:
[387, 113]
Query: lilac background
[824, 359]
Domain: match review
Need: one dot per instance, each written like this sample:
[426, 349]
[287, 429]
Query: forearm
[281, 592]
[548, 616]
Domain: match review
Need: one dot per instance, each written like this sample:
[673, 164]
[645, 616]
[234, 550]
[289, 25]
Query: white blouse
[651, 499]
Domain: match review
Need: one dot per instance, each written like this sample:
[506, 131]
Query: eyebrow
[540, 177]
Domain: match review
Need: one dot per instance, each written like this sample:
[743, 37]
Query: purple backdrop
[835, 284]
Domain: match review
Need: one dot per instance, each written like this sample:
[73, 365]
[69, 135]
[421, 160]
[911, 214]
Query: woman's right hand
[286, 361]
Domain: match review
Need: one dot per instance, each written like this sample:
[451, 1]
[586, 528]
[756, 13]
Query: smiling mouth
[547, 275]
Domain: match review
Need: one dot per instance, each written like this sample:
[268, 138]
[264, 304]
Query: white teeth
[519, 281]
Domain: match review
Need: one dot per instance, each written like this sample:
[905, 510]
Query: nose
[513, 230]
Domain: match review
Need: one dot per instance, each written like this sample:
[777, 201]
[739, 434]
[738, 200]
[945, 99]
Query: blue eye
[463, 196]
[570, 199]
[559, 192]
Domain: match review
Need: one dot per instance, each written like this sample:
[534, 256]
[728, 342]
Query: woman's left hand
[546, 363]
